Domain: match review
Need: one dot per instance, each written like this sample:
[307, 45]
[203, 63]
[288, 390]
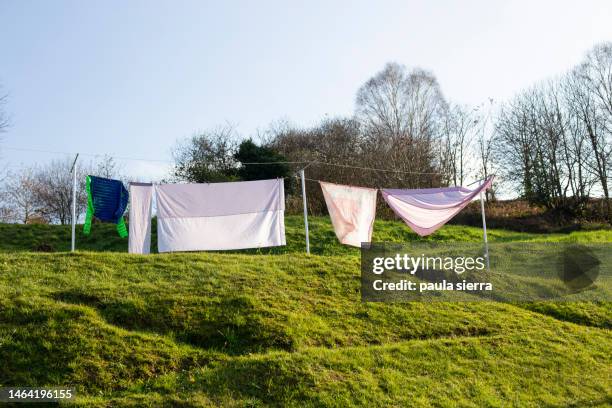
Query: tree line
[553, 140]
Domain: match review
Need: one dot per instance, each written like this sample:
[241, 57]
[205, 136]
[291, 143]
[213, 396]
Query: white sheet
[139, 237]
[220, 216]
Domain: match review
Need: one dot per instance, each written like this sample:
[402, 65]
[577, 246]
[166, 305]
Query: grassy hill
[41, 238]
[278, 327]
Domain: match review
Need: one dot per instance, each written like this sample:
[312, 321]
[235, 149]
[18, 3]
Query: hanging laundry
[352, 211]
[107, 200]
[426, 210]
[141, 198]
[220, 216]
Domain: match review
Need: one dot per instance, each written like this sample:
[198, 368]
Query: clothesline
[319, 181]
[185, 219]
[297, 176]
[308, 163]
[375, 169]
[294, 177]
[276, 162]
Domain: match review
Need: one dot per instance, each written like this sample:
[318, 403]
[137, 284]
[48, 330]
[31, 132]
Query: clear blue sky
[129, 78]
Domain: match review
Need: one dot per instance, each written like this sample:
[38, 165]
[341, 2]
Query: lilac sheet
[426, 210]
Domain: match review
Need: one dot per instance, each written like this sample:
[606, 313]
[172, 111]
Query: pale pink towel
[352, 211]
[426, 210]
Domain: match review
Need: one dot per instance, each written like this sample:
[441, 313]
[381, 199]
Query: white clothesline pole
[74, 187]
[484, 229]
[305, 211]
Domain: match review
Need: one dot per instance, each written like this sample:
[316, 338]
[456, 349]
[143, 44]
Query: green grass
[278, 327]
[322, 239]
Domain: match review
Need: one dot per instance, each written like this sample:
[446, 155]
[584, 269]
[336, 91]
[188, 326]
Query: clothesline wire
[297, 176]
[323, 181]
[308, 163]
[474, 182]
[375, 169]
[276, 162]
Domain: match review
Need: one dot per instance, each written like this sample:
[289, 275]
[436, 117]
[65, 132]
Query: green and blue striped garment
[107, 200]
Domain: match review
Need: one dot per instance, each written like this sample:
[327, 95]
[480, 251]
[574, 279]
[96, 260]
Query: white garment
[352, 211]
[139, 237]
[220, 216]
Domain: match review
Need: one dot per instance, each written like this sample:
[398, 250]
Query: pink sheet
[426, 210]
[352, 211]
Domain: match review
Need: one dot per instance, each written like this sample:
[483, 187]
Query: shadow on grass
[232, 325]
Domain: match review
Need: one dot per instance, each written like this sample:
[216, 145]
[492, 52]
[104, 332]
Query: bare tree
[398, 103]
[54, 190]
[402, 116]
[107, 167]
[553, 140]
[592, 100]
[597, 73]
[576, 148]
[521, 147]
[459, 131]
[7, 213]
[19, 200]
[207, 157]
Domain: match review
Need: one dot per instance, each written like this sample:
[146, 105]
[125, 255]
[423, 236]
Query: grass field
[278, 327]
